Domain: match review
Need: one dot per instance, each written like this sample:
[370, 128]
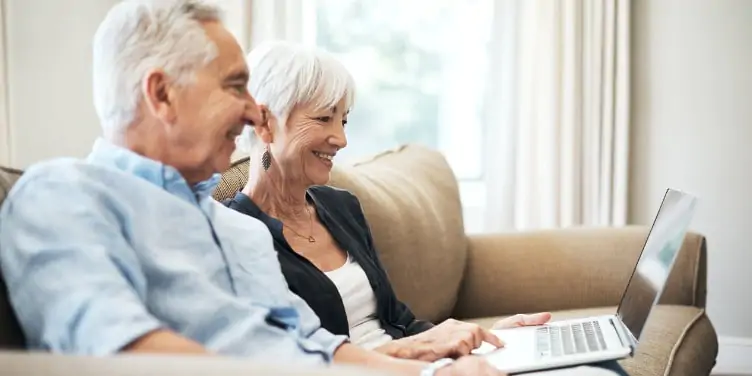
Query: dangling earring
[266, 159]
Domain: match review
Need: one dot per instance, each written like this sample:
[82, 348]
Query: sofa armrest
[568, 269]
[46, 364]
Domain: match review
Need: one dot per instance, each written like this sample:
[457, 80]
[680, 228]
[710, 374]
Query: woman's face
[304, 148]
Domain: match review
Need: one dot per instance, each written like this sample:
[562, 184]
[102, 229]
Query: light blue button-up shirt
[97, 253]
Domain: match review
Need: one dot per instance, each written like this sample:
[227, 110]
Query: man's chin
[223, 166]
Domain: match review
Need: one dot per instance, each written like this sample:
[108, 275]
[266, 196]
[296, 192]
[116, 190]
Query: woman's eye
[324, 119]
[344, 123]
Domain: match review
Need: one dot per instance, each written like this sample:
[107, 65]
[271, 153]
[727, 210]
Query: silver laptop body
[610, 337]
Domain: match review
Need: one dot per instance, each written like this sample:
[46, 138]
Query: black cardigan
[342, 215]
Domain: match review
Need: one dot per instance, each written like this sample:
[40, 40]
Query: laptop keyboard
[578, 338]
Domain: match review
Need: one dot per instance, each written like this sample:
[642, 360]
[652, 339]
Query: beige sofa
[411, 200]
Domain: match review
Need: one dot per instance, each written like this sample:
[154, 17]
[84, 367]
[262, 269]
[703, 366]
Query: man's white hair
[285, 74]
[139, 35]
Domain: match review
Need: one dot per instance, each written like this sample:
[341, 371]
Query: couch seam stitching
[680, 341]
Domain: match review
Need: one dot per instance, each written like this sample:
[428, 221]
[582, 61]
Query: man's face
[211, 111]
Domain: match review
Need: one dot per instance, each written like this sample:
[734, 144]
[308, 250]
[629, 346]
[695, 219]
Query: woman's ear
[265, 130]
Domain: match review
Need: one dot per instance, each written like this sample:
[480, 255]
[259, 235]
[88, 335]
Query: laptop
[602, 338]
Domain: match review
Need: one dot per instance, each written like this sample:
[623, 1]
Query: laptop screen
[657, 259]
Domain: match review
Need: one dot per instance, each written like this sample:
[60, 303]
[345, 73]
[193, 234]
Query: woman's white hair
[139, 35]
[285, 74]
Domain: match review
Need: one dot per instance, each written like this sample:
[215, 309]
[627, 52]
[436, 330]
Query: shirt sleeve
[318, 339]
[72, 277]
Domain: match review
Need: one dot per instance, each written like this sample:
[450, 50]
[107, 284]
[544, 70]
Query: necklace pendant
[311, 239]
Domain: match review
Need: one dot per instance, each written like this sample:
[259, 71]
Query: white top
[360, 305]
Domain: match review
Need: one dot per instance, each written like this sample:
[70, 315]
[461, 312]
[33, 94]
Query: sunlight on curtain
[527, 99]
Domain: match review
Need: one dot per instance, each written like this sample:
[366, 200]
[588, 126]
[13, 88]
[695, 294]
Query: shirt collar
[243, 204]
[105, 153]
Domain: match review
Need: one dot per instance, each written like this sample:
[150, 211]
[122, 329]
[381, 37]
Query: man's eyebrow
[238, 76]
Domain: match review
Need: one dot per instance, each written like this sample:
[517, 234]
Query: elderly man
[125, 251]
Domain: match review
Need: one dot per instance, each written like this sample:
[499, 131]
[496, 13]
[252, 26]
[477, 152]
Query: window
[420, 68]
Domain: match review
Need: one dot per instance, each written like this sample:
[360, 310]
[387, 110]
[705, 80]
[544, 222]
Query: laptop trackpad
[519, 349]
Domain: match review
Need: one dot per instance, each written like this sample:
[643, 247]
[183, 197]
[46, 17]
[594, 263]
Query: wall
[51, 111]
[692, 129]
[49, 70]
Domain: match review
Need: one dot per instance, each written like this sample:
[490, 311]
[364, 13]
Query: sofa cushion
[11, 336]
[8, 177]
[411, 199]
[677, 340]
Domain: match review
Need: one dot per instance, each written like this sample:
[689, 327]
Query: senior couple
[126, 251]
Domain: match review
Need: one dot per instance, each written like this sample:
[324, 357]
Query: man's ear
[265, 130]
[157, 91]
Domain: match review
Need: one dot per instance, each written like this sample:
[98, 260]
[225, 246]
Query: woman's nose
[339, 139]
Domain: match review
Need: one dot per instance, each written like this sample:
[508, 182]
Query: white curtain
[570, 132]
[281, 20]
[256, 21]
[556, 120]
[5, 142]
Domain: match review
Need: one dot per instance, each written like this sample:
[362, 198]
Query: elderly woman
[321, 235]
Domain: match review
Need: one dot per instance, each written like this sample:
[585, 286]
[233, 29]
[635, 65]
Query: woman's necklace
[310, 237]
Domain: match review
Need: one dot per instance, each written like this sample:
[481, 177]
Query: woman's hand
[450, 339]
[454, 338]
[523, 320]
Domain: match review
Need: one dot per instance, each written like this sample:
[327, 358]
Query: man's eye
[240, 89]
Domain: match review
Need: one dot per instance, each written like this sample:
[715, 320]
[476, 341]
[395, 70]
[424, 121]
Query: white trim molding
[5, 131]
[734, 356]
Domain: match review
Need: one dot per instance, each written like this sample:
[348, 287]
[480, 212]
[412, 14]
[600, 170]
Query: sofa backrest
[411, 200]
[11, 336]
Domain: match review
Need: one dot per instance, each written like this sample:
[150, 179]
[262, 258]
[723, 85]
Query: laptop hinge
[624, 337]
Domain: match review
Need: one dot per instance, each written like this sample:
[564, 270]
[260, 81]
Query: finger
[490, 370]
[483, 367]
[519, 320]
[536, 319]
[491, 338]
[461, 348]
[509, 322]
[474, 334]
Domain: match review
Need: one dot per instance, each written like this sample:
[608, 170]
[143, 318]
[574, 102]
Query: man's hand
[469, 366]
[450, 339]
[164, 341]
[523, 320]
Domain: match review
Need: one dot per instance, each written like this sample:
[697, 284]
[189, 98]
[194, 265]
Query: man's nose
[254, 114]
